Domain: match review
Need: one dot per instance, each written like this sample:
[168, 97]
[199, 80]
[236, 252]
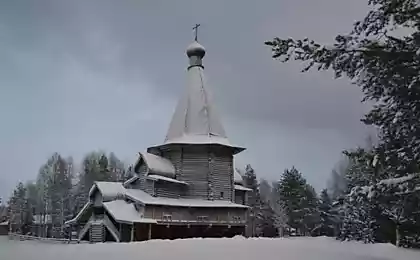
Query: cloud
[82, 75]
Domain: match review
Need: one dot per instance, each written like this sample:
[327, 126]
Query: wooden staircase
[97, 232]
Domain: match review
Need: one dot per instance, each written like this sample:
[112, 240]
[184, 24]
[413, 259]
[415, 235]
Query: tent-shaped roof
[195, 120]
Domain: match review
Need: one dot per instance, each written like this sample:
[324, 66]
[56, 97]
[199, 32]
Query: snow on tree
[265, 190]
[398, 199]
[254, 201]
[300, 201]
[20, 215]
[387, 69]
[327, 224]
[279, 216]
[116, 168]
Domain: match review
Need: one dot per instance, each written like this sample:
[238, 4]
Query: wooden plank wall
[191, 214]
[207, 169]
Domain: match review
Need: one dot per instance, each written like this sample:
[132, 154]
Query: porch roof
[125, 212]
[163, 178]
[80, 214]
[240, 187]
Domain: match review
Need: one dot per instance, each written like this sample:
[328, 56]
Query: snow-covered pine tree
[31, 200]
[116, 168]
[59, 193]
[19, 214]
[279, 216]
[311, 211]
[327, 217]
[272, 221]
[299, 200]
[265, 190]
[254, 201]
[359, 221]
[387, 68]
[104, 173]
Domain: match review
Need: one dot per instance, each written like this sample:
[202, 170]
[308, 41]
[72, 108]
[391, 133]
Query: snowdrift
[209, 249]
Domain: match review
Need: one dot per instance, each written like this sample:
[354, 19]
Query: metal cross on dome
[195, 28]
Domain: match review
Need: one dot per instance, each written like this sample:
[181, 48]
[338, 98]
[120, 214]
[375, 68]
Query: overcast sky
[76, 76]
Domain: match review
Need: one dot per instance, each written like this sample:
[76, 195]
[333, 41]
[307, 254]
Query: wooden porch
[143, 232]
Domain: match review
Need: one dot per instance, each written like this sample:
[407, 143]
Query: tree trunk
[397, 236]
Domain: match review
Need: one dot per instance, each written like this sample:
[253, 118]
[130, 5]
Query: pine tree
[299, 200]
[327, 217]
[254, 201]
[116, 168]
[272, 221]
[20, 215]
[387, 68]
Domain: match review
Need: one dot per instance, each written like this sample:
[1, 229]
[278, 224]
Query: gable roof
[155, 164]
[237, 177]
[109, 190]
[125, 212]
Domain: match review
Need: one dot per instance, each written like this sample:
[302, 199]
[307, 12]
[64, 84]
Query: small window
[167, 217]
[236, 218]
[222, 195]
[202, 218]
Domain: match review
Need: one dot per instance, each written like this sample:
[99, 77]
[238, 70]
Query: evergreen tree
[327, 217]
[116, 168]
[20, 215]
[310, 210]
[272, 220]
[386, 67]
[299, 200]
[251, 182]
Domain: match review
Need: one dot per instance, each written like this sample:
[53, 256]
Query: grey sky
[82, 75]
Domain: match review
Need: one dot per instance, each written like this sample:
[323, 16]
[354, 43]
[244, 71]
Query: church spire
[195, 120]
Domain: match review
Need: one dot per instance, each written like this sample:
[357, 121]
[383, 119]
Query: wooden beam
[132, 233]
[149, 235]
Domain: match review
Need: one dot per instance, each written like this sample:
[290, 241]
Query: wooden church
[186, 187]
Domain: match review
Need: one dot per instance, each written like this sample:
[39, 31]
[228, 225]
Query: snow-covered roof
[3, 211]
[122, 211]
[109, 190]
[156, 164]
[195, 120]
[131, 180]
[163, 178]
[240, 187]
[80, 214]
[145, 198]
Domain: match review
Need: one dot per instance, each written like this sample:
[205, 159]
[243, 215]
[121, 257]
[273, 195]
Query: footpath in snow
[237, 248]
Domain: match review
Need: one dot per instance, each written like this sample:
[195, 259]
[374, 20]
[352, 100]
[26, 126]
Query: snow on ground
[208, 249]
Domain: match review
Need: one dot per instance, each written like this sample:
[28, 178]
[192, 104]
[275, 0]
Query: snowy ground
[208, 249]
